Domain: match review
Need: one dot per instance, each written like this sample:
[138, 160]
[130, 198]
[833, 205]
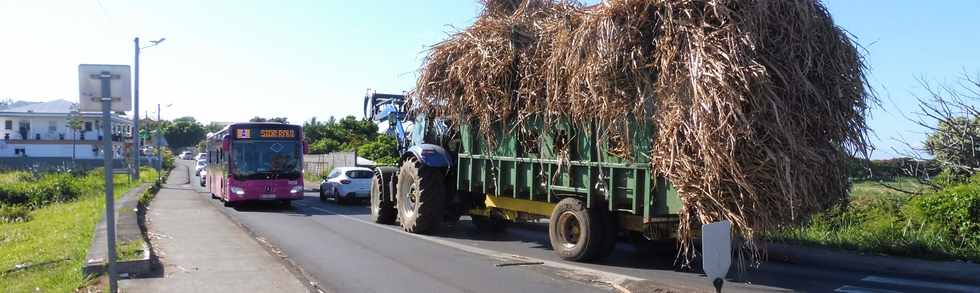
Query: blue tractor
[418, 190]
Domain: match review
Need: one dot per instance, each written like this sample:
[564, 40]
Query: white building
[42, 131]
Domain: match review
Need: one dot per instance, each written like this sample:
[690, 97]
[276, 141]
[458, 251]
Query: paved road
[343, 251]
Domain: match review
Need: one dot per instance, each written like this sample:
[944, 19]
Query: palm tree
[75, 124]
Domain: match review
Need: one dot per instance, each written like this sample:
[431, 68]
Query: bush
[48, 188]
[14, 214]
[953, 214]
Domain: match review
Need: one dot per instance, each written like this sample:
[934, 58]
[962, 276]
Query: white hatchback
[347, 184]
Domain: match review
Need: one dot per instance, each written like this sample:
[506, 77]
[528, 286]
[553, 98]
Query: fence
[317, 165]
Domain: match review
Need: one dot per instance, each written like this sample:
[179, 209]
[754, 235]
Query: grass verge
[47, 252]
[936, 225]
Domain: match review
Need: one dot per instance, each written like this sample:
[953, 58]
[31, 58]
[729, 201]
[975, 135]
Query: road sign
[90, 87]
[716, 245]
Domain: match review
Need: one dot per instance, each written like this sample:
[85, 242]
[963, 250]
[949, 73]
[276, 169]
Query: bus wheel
[420, 197]
[486, 224]
[229, 204]
[575, 232]
[382, 212]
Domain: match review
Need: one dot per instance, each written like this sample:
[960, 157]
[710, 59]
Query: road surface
[342, 251]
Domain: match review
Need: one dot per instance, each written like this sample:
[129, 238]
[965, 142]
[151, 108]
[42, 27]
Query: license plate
[268, 196]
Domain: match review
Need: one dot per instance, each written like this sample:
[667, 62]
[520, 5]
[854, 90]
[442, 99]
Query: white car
[204, 177]
[201, 165]
[201, 157]
[346, 184]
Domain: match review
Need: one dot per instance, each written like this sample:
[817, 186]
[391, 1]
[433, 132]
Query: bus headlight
[238, 191]
[296, 189]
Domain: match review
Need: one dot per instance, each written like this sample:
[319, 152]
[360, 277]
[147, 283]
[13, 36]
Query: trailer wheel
[420, 197]
[576, 233]
[382, 212]
[486, 224]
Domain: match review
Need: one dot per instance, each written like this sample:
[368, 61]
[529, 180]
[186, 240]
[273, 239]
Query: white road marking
[853, 289]
[612, 279]
[921, 284]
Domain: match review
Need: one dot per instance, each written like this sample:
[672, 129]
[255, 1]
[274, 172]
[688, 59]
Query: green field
[46, 253]
[930, 224]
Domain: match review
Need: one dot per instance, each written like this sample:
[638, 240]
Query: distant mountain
[8, 103]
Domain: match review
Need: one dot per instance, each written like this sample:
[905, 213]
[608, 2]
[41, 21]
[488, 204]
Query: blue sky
[231, 60]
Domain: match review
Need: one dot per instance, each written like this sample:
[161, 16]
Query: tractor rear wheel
[421, 197]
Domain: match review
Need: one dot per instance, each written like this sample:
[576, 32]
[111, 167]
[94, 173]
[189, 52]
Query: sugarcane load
[639, 116]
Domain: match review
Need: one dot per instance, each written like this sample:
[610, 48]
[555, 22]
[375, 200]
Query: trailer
[567, 175]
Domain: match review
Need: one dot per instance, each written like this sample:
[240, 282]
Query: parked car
[201, 165]
[204, 177]
[201, 157]
[347, 184]
[186, 155]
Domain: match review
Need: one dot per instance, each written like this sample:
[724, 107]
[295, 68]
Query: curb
[854, 261]
[127, 229]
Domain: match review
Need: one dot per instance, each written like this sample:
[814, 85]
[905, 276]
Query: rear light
[345, 181]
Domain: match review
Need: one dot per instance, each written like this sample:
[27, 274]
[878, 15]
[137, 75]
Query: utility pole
[159, 133]
[136, 112]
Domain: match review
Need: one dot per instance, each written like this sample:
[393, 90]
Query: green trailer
[566, 174]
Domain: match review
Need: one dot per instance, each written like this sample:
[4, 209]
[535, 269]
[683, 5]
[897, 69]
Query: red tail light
[345, 181]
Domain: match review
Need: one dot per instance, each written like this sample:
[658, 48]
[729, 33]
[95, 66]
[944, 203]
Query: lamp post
[136, 104]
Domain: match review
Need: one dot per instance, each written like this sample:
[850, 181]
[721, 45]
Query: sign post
[107, 77]
[716, 246]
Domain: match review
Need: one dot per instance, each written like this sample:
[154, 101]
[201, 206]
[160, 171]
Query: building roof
[52, 107]
[56, 108]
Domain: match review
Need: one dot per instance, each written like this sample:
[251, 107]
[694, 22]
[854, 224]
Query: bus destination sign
[264, 133]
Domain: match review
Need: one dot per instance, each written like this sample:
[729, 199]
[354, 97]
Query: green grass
[130, 250]
[46, 253]
[879, 220]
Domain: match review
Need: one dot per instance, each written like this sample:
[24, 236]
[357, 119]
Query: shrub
[952, 214]
[14, 214]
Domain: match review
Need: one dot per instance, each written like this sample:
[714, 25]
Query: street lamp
[136, 104]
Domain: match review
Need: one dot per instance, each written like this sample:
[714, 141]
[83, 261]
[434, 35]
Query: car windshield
[359, 174]
[266, 159]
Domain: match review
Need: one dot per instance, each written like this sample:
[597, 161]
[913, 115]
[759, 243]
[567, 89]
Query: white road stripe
[853, 289]
[921, 284]
[613, 279]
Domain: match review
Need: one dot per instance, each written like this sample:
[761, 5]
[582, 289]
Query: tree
[213, 127]
[346, 134]
[184, 132]
[956, 142]
[953, 117]
[273, 119]
[383, 150]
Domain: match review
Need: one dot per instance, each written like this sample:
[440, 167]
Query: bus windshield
[266, 159]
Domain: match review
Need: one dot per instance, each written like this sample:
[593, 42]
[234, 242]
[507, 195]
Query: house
[43, 130]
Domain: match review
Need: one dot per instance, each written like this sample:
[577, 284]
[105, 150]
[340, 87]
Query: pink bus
[256, 162]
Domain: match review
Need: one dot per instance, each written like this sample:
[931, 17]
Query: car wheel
[322, 196]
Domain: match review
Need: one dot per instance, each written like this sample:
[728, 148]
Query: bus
[256, 162]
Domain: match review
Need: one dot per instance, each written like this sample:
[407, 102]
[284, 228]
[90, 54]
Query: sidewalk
[201, 250]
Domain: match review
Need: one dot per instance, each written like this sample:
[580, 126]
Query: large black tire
[382, 212]
[323, 197]
[486, 224]
[576, 233]
[421, 196]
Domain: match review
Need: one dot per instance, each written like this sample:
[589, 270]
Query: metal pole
[110, 212]
[159, 133]
[136, 112]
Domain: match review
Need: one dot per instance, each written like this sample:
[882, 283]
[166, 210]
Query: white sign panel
[90, 87]
[716, 245]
